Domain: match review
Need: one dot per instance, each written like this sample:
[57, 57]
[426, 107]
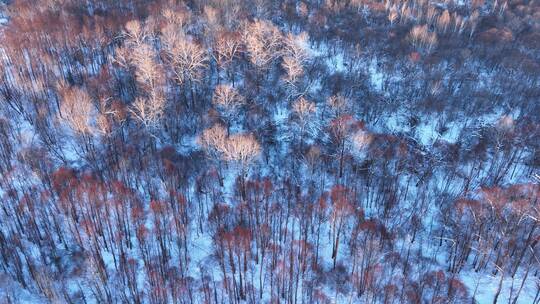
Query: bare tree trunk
[523, 281]
[499, 287]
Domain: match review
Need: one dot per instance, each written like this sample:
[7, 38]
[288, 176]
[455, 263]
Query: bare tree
[295, 55]
[148, 107]
[135, 33]
[77, 110]
[238, 148]
[342, 209]
[393, 14]
[263, 42]
[341, 128]
[339, 104]
[148, 111]
[361, 140]
[473, 22]
[148, 71]
[227, 47]
[444, 21]
[228, 100]
[211, 23]
[188, 58]
[242, 148]
[422, 38]
[459, 23]
[177, 18]
[214, 138]
[304, 109]
[293, 69]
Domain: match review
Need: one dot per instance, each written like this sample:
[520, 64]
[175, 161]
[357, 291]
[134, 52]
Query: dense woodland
[270, 151]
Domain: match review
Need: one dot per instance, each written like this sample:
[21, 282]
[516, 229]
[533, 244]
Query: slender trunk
[499, 287]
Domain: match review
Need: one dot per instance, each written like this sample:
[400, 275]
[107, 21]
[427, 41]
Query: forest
[270, 151]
